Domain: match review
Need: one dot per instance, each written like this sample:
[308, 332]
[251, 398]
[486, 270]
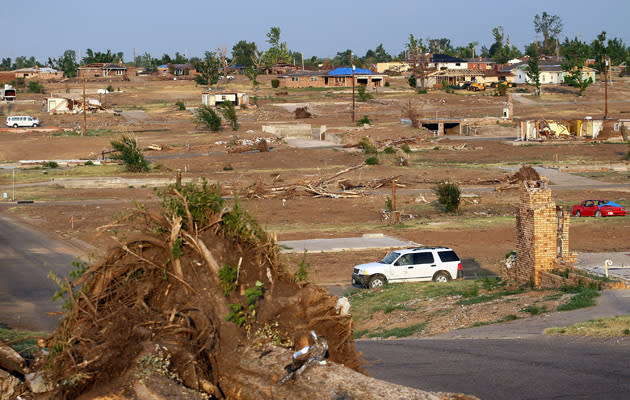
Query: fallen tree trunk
[260, 369]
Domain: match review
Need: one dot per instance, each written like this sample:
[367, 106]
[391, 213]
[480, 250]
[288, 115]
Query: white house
[551, 72]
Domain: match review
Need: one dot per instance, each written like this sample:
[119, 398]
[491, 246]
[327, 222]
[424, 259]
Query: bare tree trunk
[257, 372]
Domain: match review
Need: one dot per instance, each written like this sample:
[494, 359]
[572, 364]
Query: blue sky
[317, 28]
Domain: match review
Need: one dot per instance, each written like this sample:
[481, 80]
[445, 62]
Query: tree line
[249, 57]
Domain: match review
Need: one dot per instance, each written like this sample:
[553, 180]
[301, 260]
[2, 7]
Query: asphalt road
[516, 369]
[26, 292]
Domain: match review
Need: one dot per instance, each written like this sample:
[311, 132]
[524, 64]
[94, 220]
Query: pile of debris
[194, 303]
[302, 113]
[526, 173]
[328, 186]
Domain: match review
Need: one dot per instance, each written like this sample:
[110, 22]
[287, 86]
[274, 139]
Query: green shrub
[35, 87]
[367, 146]
[51, 164]
[412, 81]
[405, 147]
[302, 272]
[228, 275]
[180, 105]
[364, 94]
[110, 88]
[372, 160]
[386, 84]
[206, 116]
[275, 83]
[130, 154]
[448, 195]
[389, 150]
[229, 113]
[364, 120]
[89, 163]
[422, 91]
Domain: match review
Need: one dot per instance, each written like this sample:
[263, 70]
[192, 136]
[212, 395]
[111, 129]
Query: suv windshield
[391, 257]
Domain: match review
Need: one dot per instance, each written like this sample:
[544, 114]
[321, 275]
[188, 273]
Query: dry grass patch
[601, 327]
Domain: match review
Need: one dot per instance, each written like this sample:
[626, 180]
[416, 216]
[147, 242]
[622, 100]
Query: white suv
[439, 264]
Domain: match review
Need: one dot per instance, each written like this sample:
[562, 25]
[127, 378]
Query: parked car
[598, 208]
[22, 120]
[439, 264]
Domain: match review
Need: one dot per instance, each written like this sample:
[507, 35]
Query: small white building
[214, 99]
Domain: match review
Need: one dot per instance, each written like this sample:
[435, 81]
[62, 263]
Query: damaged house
[214, 99]
[62, 105]
[103, 70]
[587, 128]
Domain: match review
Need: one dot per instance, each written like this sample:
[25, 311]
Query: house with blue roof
[339, 77]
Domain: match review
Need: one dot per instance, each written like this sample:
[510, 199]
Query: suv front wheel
[441, 277]
[376, 281]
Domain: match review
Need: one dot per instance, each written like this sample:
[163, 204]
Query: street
[498, 369]
[26, 292]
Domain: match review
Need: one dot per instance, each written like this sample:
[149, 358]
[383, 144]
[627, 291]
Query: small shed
[214, 99]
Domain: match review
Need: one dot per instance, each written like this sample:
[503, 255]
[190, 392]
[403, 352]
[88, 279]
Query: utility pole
[84, 110]
[606, 67]
[352, 65]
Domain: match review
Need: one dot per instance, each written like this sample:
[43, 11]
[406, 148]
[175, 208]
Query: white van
[22, 120]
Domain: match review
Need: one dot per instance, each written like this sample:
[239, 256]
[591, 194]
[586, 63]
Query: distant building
[103, 70]
[171, 70]
[43, 73]
[214, 99]
[340, 77]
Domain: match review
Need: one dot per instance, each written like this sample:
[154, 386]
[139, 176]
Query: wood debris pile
[526, 173]
[329, 186]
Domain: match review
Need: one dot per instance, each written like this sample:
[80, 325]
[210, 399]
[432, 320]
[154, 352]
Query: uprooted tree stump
[202, 282]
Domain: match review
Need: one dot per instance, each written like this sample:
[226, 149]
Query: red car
[598, 208]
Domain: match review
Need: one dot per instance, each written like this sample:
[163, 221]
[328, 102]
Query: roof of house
[443, 58]
[349, 71]
[103, 66]
[42, 69]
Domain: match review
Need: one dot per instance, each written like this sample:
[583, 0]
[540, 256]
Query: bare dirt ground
[482, 233]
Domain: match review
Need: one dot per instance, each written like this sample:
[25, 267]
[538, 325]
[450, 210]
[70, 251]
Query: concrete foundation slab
[365, 242]
[594, 263]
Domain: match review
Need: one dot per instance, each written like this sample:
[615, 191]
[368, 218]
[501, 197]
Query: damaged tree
[197, 286]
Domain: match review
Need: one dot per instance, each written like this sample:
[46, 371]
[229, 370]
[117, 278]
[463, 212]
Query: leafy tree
[377, 55]
[23, 62]
[101, 57]
[576, 52]
[617, 51]
[531, 50]
[229, 113]
[278, 52]
[243, 53]
[501, 51]
[5, 65]
[342, 58]
[252, 74]
[208, 69]
[598, 51]
[206, 116]
[467, 51]
[550, 26]
[533, 73]
[441, 46]
[66, 63]
[144, 61]
[130, 154]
